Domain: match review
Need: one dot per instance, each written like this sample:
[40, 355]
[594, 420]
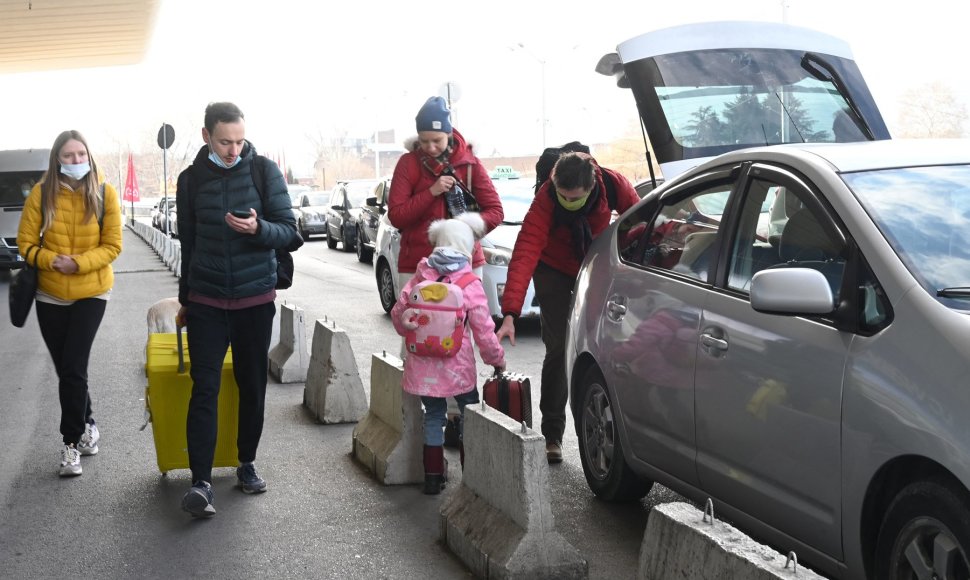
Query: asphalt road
[323, 516]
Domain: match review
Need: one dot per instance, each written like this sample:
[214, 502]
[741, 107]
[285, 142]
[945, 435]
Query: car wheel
[364, 254]
[303, 232]
[385, 286]
[347, 241]
[600, 450]
[331, 240]
[925, 534]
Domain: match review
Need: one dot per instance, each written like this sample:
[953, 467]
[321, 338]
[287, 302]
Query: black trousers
[69, 332]
[210, 332]
[553, 290]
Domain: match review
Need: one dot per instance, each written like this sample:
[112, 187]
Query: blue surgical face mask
[218, 160]
[77, 171]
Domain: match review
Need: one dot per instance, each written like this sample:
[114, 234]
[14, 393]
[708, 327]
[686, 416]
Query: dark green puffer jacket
[217, 261]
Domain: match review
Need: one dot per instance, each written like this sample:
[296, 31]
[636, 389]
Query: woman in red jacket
[438, 178]
[569, 210]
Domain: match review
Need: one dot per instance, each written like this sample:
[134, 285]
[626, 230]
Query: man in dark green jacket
[229, 231]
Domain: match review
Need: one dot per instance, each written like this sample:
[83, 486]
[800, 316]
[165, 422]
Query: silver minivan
[20, 169]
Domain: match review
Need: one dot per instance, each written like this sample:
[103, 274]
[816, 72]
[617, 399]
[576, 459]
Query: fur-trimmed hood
[411, 144]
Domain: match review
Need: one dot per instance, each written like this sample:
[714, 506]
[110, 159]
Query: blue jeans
[435, 416]
[211, 331]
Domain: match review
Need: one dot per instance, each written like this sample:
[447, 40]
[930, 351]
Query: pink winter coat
[446, 377]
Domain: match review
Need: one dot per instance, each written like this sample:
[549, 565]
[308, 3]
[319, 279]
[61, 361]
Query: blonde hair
[51, 182]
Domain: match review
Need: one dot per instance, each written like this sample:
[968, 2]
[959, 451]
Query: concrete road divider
[333, 391]
[289, 359]
[679, 543]
[499, 522]
[390, 439]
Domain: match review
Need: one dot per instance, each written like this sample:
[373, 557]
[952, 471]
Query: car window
[678, 234]
[359, 191]
[316, 199]
[796, 236]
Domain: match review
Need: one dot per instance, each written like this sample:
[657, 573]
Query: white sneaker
[70, 461]
[89, 441]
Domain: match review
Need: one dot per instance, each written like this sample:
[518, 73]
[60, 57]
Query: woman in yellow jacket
[81, 231]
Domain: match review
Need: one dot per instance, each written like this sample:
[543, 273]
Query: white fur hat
[459, 233]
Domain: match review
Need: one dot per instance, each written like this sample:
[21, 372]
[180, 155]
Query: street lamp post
[542, 78]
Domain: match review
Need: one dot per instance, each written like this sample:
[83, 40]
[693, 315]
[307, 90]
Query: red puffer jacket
[411, 207]
[539, 240]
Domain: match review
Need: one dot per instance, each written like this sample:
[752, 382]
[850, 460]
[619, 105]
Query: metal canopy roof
[40, 35]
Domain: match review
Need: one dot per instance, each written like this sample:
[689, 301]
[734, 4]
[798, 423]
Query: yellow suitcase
[167, 403]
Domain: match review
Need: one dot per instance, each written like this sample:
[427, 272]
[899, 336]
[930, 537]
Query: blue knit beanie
[434, 116]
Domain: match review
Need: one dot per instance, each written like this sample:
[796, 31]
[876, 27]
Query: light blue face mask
[77, 171]
[218, 160]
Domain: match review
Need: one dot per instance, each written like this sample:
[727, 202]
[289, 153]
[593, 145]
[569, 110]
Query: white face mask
[218, 160]
[77, 171]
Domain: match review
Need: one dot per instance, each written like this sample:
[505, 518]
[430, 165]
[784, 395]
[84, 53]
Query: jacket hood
[461, 150]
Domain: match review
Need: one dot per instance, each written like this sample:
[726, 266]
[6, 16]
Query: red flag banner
[131, 183]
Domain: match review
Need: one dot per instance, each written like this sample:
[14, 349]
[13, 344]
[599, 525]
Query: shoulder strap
[465, 280]
[259, 177]
[610, 189]
[101, 216]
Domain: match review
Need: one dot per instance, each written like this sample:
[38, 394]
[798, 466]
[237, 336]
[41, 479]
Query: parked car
[780, 328]
[807, 374]
[20, 169]
[343, 211]
[368, 221]
[311, 213]
[516, 196]
[160, 212]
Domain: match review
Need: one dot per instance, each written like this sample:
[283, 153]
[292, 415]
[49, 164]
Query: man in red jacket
[569, 210]
[438, 178]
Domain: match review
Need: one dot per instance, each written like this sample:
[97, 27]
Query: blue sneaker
[249, 480]
[198, 500]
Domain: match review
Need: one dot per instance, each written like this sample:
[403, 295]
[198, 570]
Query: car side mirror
[371, 201]
[792, 291]
[337, 207]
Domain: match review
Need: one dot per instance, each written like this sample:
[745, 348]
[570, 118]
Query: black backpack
[284, 259]
[551, 154]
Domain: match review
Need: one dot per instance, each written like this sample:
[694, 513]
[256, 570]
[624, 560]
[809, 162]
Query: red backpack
[435, 316]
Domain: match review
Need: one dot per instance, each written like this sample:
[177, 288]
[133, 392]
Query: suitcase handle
[178, 346]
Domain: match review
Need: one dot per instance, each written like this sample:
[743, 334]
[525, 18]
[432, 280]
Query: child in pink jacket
[434, 378]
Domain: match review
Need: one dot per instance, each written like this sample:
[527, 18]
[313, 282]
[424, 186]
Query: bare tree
[337, 159]
[931, 110]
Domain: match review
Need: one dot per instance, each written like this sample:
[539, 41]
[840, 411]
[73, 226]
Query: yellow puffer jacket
[93, 248]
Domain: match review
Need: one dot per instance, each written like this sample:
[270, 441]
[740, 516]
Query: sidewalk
[323, 516]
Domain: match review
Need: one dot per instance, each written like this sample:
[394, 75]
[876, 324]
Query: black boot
[434, 469]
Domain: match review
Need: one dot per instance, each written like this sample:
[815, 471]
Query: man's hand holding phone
[242, 220]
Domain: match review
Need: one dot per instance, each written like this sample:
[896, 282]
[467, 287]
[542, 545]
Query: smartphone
[241, 213]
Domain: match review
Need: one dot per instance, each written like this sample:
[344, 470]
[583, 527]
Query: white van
[20, 169]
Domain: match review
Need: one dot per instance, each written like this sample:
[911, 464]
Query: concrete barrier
[289, 359]
[333, 391]
[389, 441]
[499, 522]
[678, 543]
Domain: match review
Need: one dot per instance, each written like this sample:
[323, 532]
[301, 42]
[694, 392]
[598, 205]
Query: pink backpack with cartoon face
[435, 317]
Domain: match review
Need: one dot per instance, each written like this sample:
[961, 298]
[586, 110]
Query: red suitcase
[510, 393]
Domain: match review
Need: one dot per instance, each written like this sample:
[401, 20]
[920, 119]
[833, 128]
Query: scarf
[447, 260]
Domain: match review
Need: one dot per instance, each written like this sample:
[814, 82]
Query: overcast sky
[300, 68]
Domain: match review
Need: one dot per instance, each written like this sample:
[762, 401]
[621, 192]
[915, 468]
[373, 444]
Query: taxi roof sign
[504, 172]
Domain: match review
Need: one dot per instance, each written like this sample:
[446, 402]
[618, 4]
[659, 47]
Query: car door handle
[713, 342]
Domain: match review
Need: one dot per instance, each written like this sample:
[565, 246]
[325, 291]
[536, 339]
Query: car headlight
[497, 256]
